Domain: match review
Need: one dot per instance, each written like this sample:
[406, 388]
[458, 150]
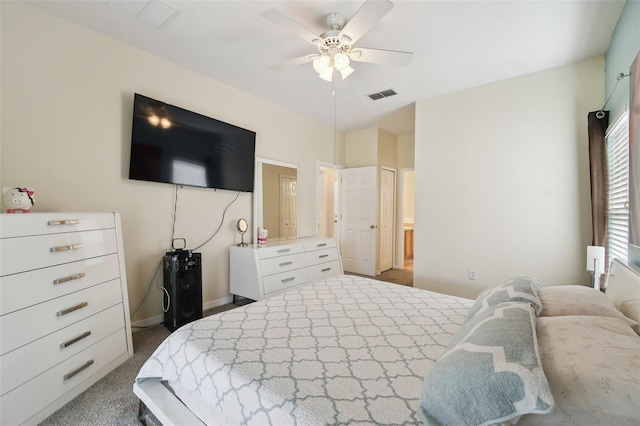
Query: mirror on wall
[275, 200]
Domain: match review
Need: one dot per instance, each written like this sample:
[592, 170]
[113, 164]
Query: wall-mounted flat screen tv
[173, 145]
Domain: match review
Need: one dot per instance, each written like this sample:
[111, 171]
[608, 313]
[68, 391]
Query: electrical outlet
[473, 274]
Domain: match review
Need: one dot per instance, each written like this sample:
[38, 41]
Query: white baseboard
[158, 319]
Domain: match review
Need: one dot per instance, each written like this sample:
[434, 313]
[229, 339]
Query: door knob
[372, 226]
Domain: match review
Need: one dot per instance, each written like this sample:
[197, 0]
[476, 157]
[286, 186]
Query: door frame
[399, 258]
[320, 202]
[394, 224]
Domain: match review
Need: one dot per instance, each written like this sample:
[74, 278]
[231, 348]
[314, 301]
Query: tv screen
[173, 145]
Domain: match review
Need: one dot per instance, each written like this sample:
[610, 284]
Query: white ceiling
[456, 45]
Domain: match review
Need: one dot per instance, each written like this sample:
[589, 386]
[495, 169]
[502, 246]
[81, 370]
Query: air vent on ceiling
[155, 13]
[383, 94]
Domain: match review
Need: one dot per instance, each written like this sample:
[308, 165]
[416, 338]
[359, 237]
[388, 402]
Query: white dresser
[257, 272]
[64, 310]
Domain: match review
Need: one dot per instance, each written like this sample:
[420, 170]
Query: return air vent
[383, 94]
[155, 13]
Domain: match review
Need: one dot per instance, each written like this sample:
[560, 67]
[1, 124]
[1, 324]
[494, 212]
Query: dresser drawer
[28, 253]
[26, 362]
[283, 250]
[19, 291]
[24, 326]
[324, 270]
[275, 265]
[321, 256]
[20, 404]
[282, 281]
[319, 244]
[18, 225]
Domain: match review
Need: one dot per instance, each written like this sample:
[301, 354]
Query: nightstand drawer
[22, 364]
[27, 289]
[24, 326]
[29, 253]
[278, 282]
[276, 265]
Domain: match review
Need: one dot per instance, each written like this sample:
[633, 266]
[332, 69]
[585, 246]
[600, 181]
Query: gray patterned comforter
[349, 350]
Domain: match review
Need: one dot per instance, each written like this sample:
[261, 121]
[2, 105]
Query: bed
[353, 350]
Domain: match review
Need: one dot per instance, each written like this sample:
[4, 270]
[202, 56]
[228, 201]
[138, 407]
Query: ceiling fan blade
[294, 62]
[365, 18]
[379, 56]
[290, 25]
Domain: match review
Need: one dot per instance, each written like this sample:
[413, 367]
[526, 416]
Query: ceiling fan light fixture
[327, 74]
[346, 72]
[341, 61]
[322, 64]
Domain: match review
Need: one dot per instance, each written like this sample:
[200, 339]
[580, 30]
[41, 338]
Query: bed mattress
[346, 350]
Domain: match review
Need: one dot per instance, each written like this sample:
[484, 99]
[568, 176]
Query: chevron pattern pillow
[518, 289]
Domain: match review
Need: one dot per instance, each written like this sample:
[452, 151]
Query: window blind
[618, 205]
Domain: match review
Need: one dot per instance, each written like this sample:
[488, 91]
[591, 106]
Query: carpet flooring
[111, 401]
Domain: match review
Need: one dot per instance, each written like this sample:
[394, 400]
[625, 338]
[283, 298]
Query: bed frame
[623, 283]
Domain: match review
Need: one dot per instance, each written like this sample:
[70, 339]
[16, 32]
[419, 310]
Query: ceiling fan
[336, 46]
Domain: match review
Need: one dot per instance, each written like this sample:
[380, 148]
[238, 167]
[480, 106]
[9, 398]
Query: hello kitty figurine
[262, 236]
[17, 199]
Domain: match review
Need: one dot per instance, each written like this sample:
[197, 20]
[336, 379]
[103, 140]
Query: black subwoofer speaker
[183, 288]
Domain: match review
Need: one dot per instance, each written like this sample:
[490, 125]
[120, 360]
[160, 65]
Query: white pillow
[578, 300]
[631, 309]
[591, 364]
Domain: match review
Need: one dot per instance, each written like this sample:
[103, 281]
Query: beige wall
[409, 203]
[67, 96]
[362, 147]
[387, 149]
[406, 151]
[502, 183]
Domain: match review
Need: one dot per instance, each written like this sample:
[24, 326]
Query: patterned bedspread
[349, 350]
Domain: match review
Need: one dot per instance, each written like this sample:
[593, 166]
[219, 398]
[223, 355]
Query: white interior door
[387, 217]
[288, 221]
[359, 200]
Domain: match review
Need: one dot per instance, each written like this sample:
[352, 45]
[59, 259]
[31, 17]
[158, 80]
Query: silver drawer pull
[63, 222]
[286, 263]
[325, 270]
[286, 280]
[75, 339]
[284, 250]
[66, 248]
[69, 278]
[321, 245]
[78, 370]
[323, 255]
[72, 309]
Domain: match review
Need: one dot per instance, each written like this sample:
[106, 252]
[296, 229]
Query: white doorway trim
[320, 205]
[392, 240]
[399, 263]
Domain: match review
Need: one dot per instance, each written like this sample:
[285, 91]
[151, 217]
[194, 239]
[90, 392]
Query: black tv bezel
[249, 186]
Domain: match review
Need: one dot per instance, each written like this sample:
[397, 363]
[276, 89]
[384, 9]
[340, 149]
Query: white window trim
[617, 141]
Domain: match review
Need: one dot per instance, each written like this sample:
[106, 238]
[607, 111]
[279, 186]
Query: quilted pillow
[592, 367]
[518, 289]
[578, 300]
[490, 373]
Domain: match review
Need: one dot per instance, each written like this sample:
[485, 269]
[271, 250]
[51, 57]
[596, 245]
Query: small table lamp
[595, 263]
